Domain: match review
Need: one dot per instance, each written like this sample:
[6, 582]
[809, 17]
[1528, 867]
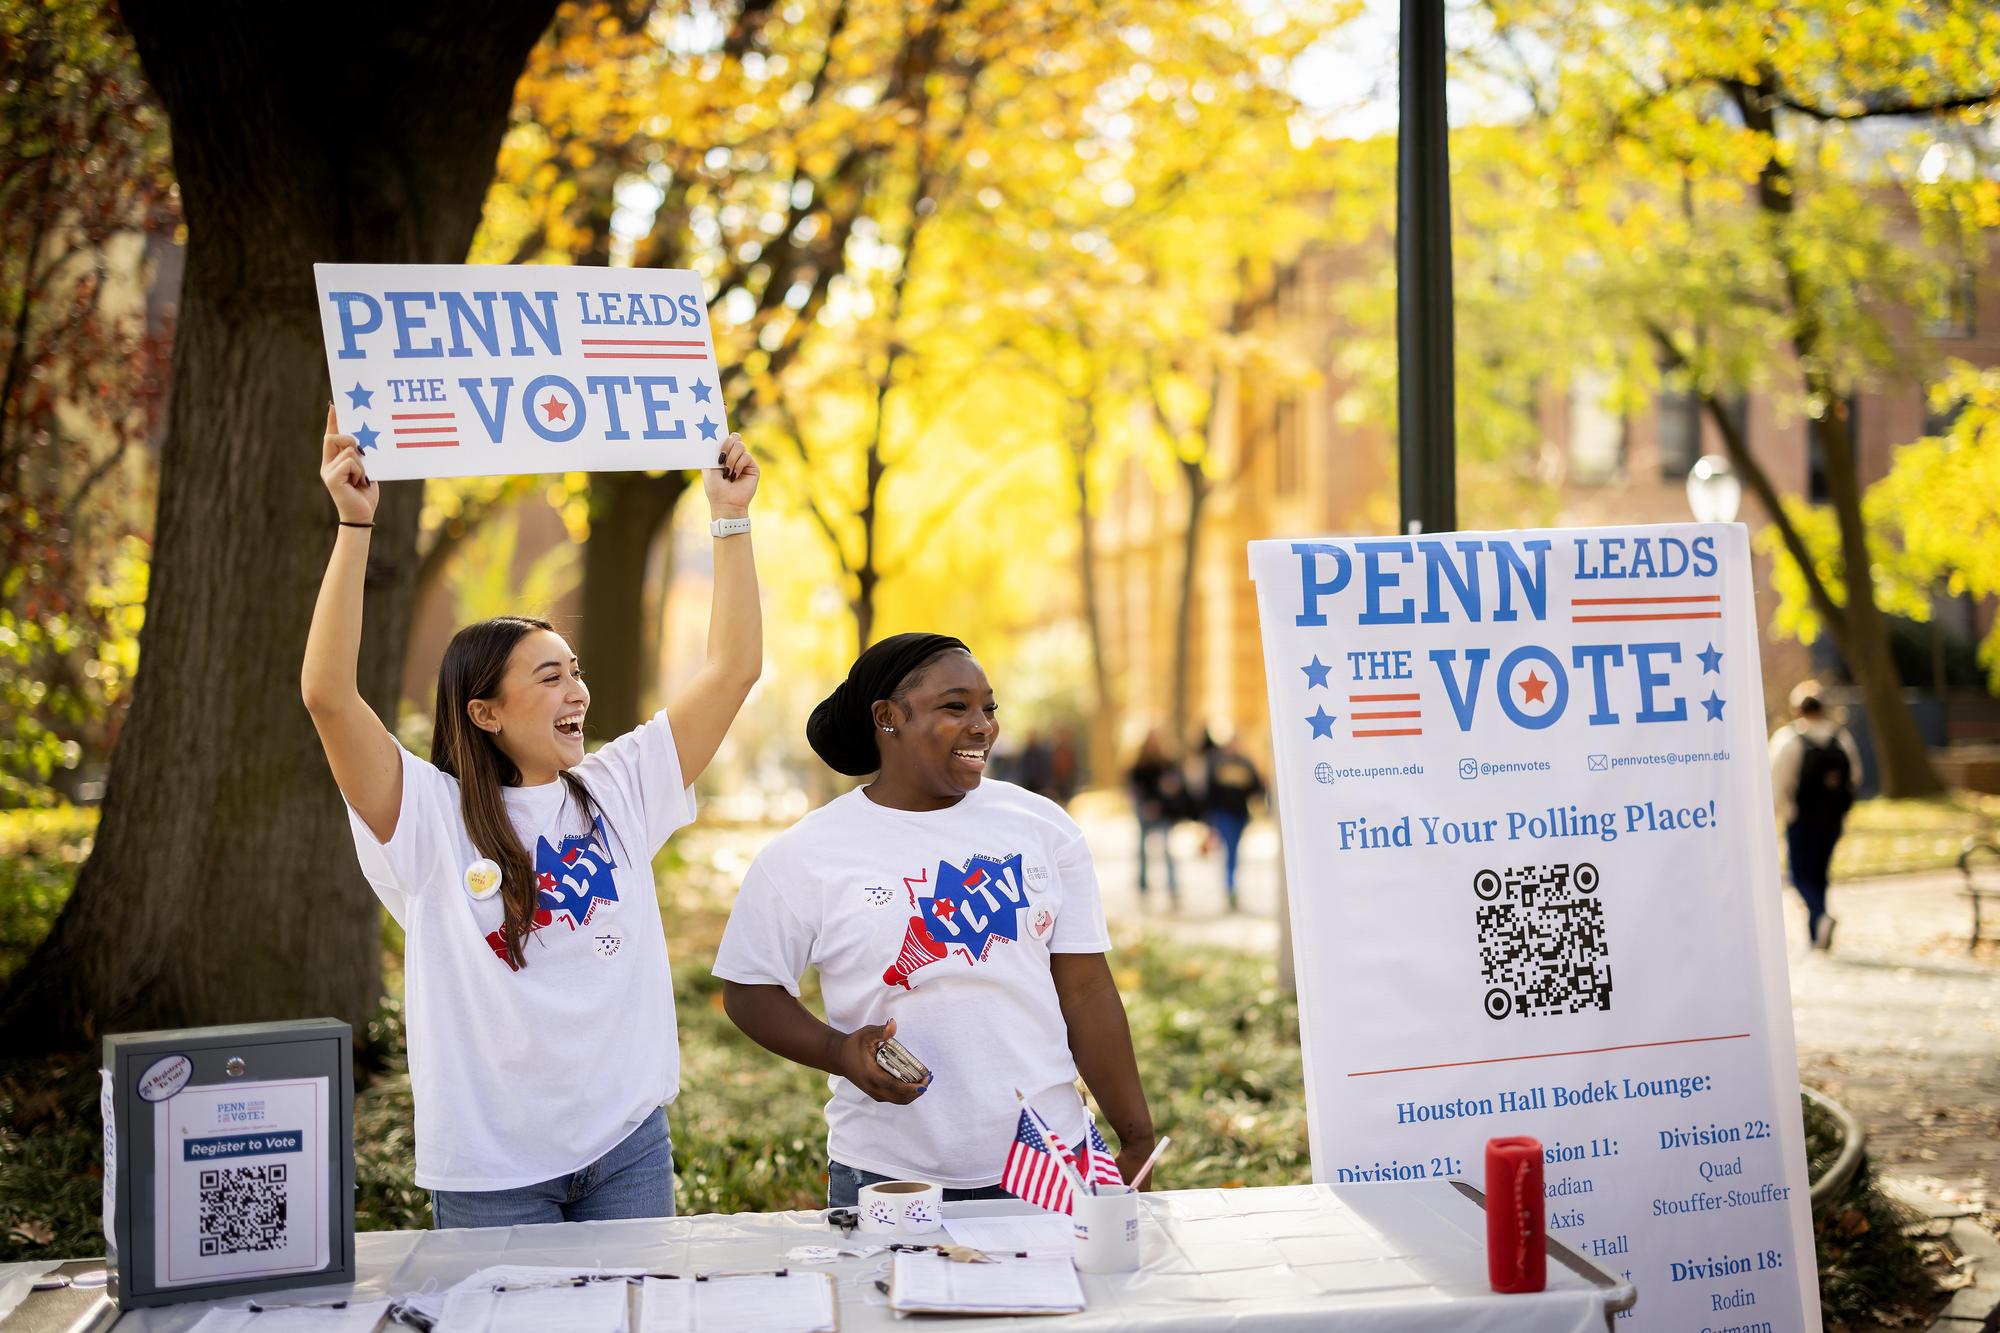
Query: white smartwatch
[728, 527]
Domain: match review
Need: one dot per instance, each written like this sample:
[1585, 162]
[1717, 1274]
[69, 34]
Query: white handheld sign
[444, 370]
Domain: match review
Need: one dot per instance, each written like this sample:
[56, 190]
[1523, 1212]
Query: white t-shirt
[523, 1076]
[943, 920]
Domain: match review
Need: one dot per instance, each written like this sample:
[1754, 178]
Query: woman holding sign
[959, 911]
[541, 1014]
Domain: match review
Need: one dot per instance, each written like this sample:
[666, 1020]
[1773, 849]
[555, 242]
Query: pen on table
[580, 1280]
[403, 1314]
[1151, 1158]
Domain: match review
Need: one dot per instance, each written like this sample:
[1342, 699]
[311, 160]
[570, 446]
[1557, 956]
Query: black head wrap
[841, 730]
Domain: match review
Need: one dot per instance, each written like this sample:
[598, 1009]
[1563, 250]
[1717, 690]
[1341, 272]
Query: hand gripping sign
[460, 371]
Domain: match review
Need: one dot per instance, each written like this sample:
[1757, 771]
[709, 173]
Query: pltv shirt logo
[573, 881]
[969, 909]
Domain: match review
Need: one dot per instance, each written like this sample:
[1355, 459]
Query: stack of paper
[933, 1284]
[517, 1299]
[557, 1300]
[280, 1317]
[1035, 1234]
[765, 1302]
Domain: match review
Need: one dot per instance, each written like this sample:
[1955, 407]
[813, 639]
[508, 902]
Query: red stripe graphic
[426, 444]
[1383, 717]
[1381, 698]
[425, 430]
[1548, 1055]
[420, 416]
[1401, 731]
[642, 342]
[1640, 601]
[1669, 615]
[1711, 599]
[645, 356]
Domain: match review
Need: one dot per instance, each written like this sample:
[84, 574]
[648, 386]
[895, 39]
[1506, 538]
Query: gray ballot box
[228, 1160]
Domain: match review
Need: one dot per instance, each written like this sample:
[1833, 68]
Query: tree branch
[813, 506]
[1773, 94]
[1759, 482]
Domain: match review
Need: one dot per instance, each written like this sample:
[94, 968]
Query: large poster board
[455, 370]
[1534, 890]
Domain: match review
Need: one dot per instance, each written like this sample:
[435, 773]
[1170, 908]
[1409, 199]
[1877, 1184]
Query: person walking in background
[1814, 772]
[1230, 782]
[1063, 766]
[1034, 766]
[1159, 799]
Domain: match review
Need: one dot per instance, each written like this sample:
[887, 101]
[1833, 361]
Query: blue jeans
[843, 1187]
[1229, 831]
[1164, 828]
[1810, 843]
[634, 1179]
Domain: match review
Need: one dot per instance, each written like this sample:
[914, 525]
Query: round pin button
[482, 879]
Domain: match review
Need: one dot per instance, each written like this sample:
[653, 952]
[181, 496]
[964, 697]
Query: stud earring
[890, 730]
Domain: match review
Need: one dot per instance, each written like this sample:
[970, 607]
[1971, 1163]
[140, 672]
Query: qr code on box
[1542, 947]
[242, 1209]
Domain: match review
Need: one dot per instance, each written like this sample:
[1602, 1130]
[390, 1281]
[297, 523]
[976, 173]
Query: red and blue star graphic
[973, 907]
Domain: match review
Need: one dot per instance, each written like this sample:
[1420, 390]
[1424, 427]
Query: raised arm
[701, 710]
[358, 747]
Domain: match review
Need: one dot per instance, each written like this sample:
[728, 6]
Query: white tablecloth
[1375, 1259]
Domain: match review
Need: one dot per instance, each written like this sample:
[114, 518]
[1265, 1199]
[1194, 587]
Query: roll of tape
[905, 1207]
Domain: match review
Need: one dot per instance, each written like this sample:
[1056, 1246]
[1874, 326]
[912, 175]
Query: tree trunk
[1197, 497]
[1863, 635]
[620, 641]
[223, 887]
[1104, 716]
[862, 604]
[868, 574]
[1855, 626]
[1903, 765]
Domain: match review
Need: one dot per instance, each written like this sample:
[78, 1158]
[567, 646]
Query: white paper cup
[1105, 1226]
[899, 1207]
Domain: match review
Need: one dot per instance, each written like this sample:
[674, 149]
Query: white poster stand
[1534, 891]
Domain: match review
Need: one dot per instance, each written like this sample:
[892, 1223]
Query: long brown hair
[474, 665]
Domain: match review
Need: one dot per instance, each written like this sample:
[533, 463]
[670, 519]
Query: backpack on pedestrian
[1826, 780]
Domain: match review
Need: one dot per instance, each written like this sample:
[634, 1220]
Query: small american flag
[1033, 1174]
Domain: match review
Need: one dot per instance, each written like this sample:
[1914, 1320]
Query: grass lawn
[1885, 837]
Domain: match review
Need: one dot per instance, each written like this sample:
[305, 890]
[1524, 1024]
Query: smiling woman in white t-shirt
[542, 1041]
[955, 912]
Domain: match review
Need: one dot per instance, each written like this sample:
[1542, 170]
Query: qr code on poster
[242, 1209]
[1542, 947]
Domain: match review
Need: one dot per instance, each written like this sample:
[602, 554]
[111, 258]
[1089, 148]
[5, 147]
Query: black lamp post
[1426, 429]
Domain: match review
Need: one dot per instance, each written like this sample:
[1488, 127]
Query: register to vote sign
[240, 1180]
[1528, 834]
[456, 371]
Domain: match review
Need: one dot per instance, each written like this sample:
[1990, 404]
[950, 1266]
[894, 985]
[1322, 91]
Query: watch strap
[728, 527]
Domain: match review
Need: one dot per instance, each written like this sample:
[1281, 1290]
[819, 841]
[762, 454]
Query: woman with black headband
[956, 913]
